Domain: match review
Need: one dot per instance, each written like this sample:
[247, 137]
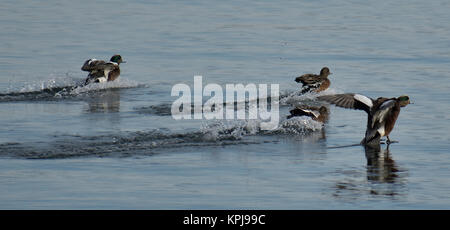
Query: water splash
[53, 81]
[229, 130]
[295, 98]
[238, 129]
[58, 87]
[298, 125]
[216, 133]
[120, 83]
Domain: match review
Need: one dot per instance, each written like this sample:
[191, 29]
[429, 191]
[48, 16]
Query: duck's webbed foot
[388, 141]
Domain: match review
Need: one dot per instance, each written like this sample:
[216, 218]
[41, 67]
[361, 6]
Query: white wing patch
[106, 72]
[367, 101]
[315, 113]
[102, 79]
[381, 130]
[91, 60]
[387, 103]
[382, 115]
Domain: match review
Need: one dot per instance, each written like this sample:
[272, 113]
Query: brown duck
[317, 114]
[314, 82]
[101, 71]
[382, 112]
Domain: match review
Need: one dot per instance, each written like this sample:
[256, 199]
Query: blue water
[115, 146]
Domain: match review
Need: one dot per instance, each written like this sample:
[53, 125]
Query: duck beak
[124, 62]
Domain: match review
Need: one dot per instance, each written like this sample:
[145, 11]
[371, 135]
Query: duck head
[403, 100]
[325, 72]
[323, 110]
[117, 59]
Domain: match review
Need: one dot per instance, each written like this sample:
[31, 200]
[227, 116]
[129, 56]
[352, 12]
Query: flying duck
[101, 71]
[382, 112]
[317, 114]
[314, 82]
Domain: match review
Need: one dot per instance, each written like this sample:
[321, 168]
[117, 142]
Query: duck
[102, 71]
[382, 113]
[313, 82]
[319, 114]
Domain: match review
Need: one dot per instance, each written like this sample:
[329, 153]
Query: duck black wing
[350, 101]
[93, 65]
[303, 111]
[383, 111]
[308, 79]
[97, 69]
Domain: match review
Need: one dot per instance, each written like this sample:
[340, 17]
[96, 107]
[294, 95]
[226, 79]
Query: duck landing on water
[313, 82]
[316, 113]
[102, 71]
[382, 113]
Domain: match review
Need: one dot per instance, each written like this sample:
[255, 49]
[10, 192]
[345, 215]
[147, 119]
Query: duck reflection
[380, 166]
[383, 177]
[105, 101]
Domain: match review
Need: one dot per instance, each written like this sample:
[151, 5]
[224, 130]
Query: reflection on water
[382, 169]
[316, 137]
[382, 173]
[380, 166]
[104, 102]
